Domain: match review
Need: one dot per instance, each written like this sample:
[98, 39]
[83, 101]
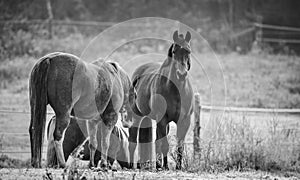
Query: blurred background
[257, 43]
[228, 25]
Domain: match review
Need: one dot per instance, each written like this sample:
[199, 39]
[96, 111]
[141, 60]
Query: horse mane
[122, 74]
[115, 65]
[134, 82]
[170, 51]
[169, 58]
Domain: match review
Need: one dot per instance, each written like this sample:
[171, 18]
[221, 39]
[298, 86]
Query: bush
[17, 69]
[16, 44]
[235, 144]
[7, 162]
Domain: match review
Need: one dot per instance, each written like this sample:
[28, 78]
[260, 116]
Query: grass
[240, 141]
[263, 81]
[6, 162]
[145, 175]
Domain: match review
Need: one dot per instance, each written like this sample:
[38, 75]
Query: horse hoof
[178, 168]
[62, 166]
[104, 169]
[158, 165]
[131, 166]
[96, 169]
[114, 169]
[159, 169]
[91, 166]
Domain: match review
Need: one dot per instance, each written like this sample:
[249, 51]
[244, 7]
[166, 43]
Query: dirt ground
[135, 175]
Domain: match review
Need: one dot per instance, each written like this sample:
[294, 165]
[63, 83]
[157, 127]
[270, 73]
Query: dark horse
[96, 92]
[164, 93]
[74, 137]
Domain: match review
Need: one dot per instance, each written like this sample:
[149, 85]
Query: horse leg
[114, 147]
[51, 155]
[165, 148]
[62, 122]
[109, 121]
[132, 139]
[145, 142]
[161, 144]
[92, 131]
[182, 128]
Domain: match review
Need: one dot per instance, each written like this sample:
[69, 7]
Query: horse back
[60, 78]
[141, 80]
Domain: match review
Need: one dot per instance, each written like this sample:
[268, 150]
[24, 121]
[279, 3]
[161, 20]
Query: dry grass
[134, 175]
[264, 81]
[239, 142]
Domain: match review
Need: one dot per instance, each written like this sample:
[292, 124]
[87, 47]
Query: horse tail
[51, 154]
[38, 105]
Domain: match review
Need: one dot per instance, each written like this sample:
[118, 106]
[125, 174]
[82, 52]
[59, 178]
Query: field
[237, 142]
[122, 175]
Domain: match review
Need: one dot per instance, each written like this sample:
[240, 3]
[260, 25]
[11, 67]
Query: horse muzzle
[126, 124]
[181, 75]
[126, 120]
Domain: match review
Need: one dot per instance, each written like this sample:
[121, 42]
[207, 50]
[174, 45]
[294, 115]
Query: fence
[199, 111]
[266, 33]
[260, 30]
[241, 40]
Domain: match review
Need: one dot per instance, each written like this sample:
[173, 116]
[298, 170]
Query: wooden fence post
[197, 127]
[50, 18]
[259, 31]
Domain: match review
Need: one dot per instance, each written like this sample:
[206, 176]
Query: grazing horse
[164, 93]
[95, 92]
[74, 137]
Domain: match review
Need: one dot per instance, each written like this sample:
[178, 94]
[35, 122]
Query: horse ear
[188, 36]
[175, 36]
[115, 65]
[170, 52]
[189, 64]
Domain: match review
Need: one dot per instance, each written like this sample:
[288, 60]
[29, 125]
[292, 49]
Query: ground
[254, 80]
[135, 175]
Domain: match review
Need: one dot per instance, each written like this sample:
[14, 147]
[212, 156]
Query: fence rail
[202, 108]
[61, 22]
[6, 111]
[245, 109]
[258, 27]
[284, 28]
[17, 152]
[265, 33]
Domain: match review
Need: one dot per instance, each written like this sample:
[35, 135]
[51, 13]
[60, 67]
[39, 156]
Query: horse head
[129, 99]
[180, 52]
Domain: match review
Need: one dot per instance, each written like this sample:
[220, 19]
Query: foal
[74, 137]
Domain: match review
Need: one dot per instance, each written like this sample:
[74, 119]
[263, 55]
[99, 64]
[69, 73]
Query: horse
[74, 137]
[164, 93]
[95, 92]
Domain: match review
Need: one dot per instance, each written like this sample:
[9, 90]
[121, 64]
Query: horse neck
[168, 70]
[126, 84]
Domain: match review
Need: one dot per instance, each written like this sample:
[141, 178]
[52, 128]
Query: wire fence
[277, 34]
[203, 108]
[258, 27]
